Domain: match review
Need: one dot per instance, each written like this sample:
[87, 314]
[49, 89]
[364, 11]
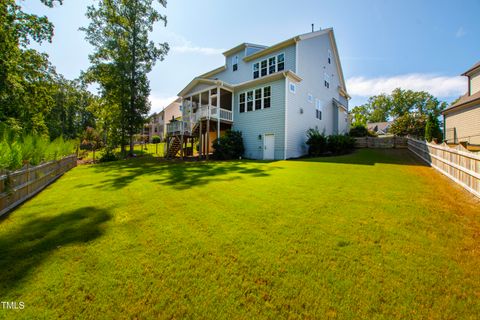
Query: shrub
[15, 149]
[156, 139]
[358, 131]
[230, 146]
[340, 144]
[108, 155]
[317, 142]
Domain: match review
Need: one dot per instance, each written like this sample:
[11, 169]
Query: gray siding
[259, 122]
[245, 69]
[198, 88]
[312, 56]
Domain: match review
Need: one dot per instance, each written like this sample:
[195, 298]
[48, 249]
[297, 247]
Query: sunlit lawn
[371, 235]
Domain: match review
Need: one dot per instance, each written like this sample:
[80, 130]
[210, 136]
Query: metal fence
[459, 164]
[18, 186]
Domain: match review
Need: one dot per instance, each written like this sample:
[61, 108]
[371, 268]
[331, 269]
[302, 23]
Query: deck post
[200, 142]
[181, 138]
[218, 112]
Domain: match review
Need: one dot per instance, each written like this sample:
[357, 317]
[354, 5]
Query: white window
[310, 98]
[329, 56]
[235, 63]
[255, 99]
[269, 66]
[256, 70]
[318, 109]
[293, 87]
[326, 80]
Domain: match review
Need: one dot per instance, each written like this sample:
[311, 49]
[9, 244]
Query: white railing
[212, 113]
[176, 126]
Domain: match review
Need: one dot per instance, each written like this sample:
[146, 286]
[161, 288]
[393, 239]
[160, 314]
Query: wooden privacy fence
[21, 185]
[381, 142]
[459, 164]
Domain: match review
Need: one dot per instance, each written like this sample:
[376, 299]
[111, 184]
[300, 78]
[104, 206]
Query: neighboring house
[380, 128]
[156, 124]
[462, 119]
[273, 95]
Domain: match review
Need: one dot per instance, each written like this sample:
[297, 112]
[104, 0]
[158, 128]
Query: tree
[92, 140]
[360, 115]
[119, 31]
[432, 129]
[25, 74]
[421, 102]
[409, 124]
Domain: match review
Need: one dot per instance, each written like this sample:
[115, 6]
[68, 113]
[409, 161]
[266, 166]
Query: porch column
[207, 138]
[218, 112]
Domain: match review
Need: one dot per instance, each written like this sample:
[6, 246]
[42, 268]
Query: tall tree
[120, 30]
[26, 75]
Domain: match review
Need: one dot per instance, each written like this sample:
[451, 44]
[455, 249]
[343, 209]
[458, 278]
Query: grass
[372, 235]
[148, 149]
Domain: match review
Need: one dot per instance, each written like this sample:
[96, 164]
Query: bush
[156, 139]
[15, 149]
[317, 142]
[108, 156]
[230, 146]
[358, 131]
[340, 144]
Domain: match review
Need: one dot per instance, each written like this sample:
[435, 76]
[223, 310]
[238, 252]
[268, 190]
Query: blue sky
[422, 45]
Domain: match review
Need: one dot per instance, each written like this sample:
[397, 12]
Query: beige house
[158, 121]
[462, 119]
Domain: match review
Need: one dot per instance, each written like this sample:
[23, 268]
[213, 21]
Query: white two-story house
[273, 95]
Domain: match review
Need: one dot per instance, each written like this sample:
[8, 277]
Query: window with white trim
[256, 70]
[292, 87]
[318, 109]
[257, 99]
[268, 66]
[235, 63]
[326, 80]
[329, 56]
[242, 103]
[310, 98]
[267, 91]
[281, 62]
[250, 101]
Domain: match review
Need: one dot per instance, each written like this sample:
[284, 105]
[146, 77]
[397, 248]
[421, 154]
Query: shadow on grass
[371, 157]
[179, 175]
[24, 248]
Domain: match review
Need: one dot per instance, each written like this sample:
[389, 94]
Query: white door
[269, 147]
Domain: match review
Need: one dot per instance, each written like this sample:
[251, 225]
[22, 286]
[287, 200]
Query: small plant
[340, 144]
[108, 156]
[317, 142]
[230, 146]
[358, 131]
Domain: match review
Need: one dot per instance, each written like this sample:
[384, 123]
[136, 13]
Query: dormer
[234, 56]
[473, 75]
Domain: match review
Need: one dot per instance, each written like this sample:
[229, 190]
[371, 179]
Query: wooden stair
[174, 147]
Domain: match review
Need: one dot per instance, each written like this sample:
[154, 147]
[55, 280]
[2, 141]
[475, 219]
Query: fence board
[459, 164]
[381, 142]
[25, 183]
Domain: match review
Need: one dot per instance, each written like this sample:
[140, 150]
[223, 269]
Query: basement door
[269, 147]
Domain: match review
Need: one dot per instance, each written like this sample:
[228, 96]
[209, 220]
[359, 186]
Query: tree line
[412, 112]
[36, 99]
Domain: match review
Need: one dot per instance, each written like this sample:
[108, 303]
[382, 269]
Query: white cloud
[440, 86]
[460, 32]
[180, 44]
[189, 48]
[160, 102]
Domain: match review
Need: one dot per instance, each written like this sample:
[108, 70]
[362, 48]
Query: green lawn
[371, 235]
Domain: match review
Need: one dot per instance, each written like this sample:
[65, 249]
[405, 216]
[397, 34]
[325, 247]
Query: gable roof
[242, 46]
[464, 101]
[472, 69]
